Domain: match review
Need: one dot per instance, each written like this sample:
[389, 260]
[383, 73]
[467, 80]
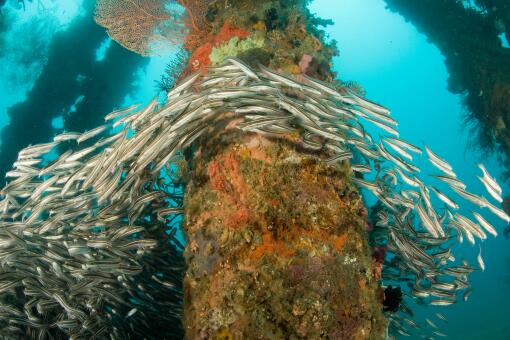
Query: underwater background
[397, 66]
[60, 71]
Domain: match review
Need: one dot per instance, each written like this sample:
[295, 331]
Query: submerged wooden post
[277, 244]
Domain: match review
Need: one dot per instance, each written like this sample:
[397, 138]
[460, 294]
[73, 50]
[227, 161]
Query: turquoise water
[394, 64]
[398, 67]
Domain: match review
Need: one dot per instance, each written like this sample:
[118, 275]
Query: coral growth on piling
[277, 245]
[200, 58]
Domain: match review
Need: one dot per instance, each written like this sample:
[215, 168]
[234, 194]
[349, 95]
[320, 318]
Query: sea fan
[146, 27]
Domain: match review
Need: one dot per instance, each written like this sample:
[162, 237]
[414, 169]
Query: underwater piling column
[277, 246]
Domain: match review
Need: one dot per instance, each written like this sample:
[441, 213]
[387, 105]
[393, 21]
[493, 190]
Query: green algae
[234, 47]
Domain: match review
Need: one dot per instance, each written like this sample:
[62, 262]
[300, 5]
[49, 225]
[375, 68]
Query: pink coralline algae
[305, 62]
[310, 66]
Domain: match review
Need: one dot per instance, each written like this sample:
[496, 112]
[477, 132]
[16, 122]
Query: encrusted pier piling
[276, 239]
[277, 246]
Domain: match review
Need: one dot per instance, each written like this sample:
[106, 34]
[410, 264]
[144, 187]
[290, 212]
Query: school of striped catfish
[87, 247]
